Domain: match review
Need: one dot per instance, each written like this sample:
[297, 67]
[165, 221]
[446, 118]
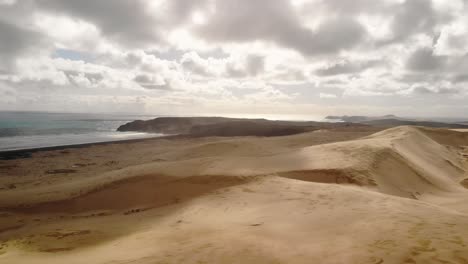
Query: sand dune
[396, 196]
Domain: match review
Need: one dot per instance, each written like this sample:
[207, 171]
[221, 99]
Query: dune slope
[396, 196]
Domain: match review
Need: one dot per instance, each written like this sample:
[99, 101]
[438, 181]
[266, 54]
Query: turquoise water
[24, 130]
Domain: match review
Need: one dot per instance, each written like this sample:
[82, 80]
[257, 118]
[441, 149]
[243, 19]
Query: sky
[245, 57]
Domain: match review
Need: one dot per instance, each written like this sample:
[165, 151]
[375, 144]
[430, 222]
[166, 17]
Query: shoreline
[27, 153]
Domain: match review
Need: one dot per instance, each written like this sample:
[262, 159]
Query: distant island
[347, 118]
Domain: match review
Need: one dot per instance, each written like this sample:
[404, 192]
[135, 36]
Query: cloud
[460, 78]
[288, 76]
[412, 17]
[255, 64]
[250, 65]
[86, 79]
[424, 59]
[327, 96]
[8, 94]
[128, 22]
[15, 41]
[277, 22]
[434, 90]
[152, 82]
[7, 2]
[453, 39]
[192, 62]
[204, 55]
[347, 67]
[350, 7]
[181, 11]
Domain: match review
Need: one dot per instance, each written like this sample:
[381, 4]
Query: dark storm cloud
[126, 21]
[277, 21]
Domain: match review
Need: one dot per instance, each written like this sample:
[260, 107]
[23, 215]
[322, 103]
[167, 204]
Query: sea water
[27, 130]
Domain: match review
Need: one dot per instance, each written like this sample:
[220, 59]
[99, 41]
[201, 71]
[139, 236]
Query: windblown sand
[396, 196]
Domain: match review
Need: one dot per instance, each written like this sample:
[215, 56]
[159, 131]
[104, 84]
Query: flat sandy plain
[328, 196]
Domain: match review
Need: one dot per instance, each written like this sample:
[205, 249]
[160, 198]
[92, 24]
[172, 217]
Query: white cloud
[225, 56]
[453, 40]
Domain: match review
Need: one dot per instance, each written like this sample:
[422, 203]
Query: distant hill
[398, 122]
[393, 121]
[359, 119]
[228, 127]
[221, 126]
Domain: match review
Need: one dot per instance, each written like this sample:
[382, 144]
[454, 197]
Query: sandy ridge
[276, 200]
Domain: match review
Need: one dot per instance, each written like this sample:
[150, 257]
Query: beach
[327, 196]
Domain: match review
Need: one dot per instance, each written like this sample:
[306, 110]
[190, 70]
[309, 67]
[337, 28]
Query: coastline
[27, 153]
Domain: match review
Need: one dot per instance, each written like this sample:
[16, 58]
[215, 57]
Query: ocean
[27, 130]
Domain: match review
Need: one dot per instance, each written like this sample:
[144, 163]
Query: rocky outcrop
[170, 125]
